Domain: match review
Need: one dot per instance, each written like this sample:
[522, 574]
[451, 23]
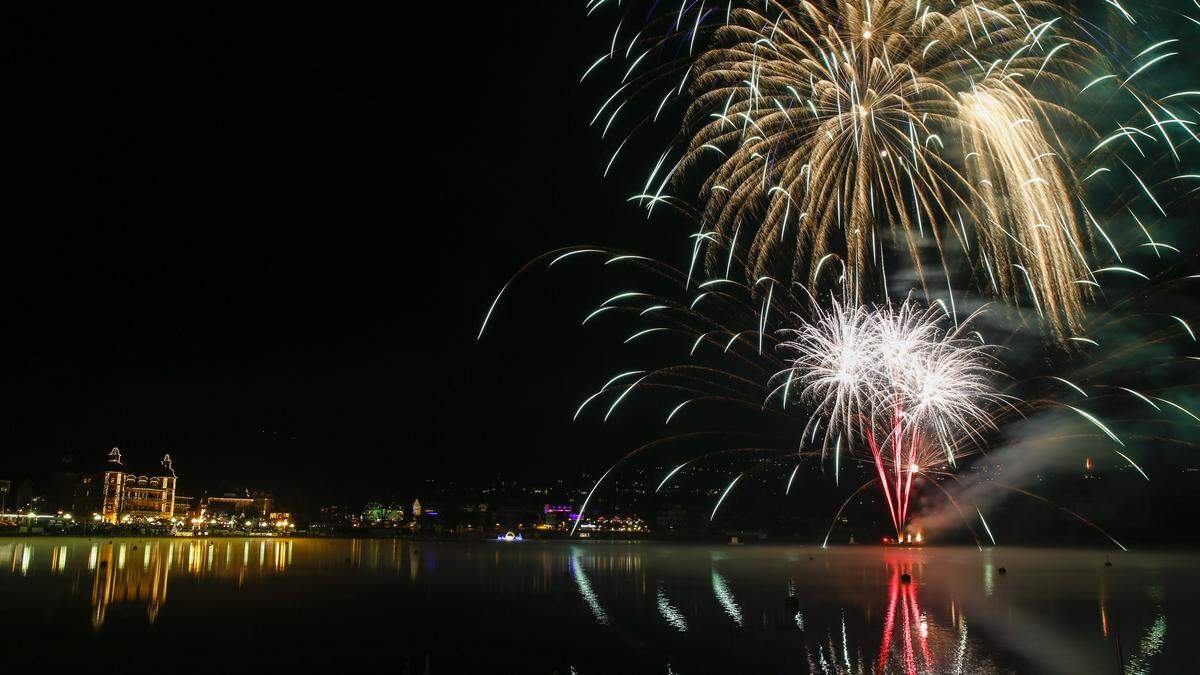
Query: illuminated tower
[167, 501]
[113, 487]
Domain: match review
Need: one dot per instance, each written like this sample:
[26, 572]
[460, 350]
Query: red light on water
[903, 609]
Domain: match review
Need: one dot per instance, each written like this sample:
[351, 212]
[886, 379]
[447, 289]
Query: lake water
[217, 605]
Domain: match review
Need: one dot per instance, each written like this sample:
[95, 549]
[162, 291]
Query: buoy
[1002, 571]
[905, 578]
[103, 564]
[810, 557]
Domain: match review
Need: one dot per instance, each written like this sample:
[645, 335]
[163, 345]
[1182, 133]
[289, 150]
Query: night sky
[263, 239]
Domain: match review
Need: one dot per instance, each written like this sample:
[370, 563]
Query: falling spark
[723, 495]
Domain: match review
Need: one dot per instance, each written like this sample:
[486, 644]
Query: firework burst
[895, 381]
[859, 128]
[833, 118]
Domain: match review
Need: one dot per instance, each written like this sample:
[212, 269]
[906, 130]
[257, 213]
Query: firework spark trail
[844, 127]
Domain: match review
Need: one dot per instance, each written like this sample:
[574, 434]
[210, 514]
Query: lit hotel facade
[126, 495]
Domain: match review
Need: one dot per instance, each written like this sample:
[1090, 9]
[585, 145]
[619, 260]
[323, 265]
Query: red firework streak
[904, 464]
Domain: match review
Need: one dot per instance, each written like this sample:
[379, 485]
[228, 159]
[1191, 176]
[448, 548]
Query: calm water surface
[217, 605]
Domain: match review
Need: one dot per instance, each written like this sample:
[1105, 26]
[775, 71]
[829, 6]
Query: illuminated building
[373, 513]
[282, 521]
[230, 511]
[183, 505]
[255, 504]
[394, 513]
[230, 504]
[127, 496]
[557, 517]
[615, 524]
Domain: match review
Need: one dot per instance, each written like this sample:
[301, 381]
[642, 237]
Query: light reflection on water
[630, 607]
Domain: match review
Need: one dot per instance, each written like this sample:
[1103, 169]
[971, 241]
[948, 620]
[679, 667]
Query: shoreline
[688, 542]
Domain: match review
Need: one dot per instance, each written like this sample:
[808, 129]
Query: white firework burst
[897, 381]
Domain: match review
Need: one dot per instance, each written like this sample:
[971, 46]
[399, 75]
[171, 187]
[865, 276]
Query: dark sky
[262, 239]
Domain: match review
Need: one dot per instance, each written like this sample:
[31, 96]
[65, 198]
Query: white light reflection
[585, 588]
[672, 615]
[725, 597]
